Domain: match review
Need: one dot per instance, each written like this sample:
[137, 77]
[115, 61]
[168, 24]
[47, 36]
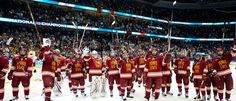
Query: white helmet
[57, 50]
[112, 53]
[94, 54]
[183, 53]
[85, 51]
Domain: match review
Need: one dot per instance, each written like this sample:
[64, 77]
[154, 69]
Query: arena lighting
[19, 21]
[155, 27]
[201, 53]
[52, 2]
[174, 3]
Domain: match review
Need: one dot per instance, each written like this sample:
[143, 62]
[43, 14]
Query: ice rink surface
[36, 87]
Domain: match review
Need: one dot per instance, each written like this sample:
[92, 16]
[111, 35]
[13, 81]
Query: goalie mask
[182, 53]
[112, 53]
[94, 54]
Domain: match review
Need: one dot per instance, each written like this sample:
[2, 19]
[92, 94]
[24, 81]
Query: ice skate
[124, 98]
[83, 95]
[14, 98]
[48, 100]
[155, 99]
[169, 93]
[164, 94]
[203, 98]
[180, 93]
[186, 95]
[111, 94]
[119, 93]
[228, 100]
[132, 90]
[208, 97]
[215, 98]
[26, 97]
[76, 95]
[197, 97]
[130, 96]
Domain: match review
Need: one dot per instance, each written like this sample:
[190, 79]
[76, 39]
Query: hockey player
[224, 74]
[78, 74]
[95, 71]
[49, 70]
[60, 60]
[134, 63]
[3, 71]
[182, 71]
[153, 75]
[68, 68]
[210, 78]
[166, 80]
[113, 72]
[21, 72]
[197, 77]
[126, 76]
[140, 65]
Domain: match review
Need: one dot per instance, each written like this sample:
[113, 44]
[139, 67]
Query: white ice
[36, 91]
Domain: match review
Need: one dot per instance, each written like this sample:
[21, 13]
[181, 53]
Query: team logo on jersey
[21, 65]
[78, 67]
[181, 64]
[54, 65]
[98, 64]
[196, 68]
[153, 65]
[113, 64]
[141, 61]
[128, 67]
[223, 64]
[209, 66]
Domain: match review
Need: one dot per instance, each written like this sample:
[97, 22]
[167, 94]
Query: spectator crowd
[65, 39]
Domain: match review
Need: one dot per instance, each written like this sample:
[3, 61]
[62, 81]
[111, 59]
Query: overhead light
[174, 3]
[73, 22]
[113, 23]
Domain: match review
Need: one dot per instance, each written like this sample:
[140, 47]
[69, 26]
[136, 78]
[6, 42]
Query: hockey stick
[43, 92]
[35, 26]
[58, 87]
[81, 40]
[198, 94]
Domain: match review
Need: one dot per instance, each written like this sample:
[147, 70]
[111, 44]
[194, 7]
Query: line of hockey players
[150, 69]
